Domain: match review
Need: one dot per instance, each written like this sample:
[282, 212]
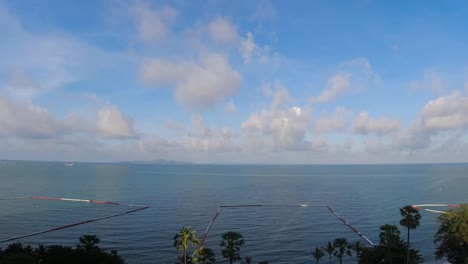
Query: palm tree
[389, 238]
[410, 220]
[358, 247]
[329, 248]
[204, 255]
[318, 254]
[341, 248]
[39, 252]
[89, 242]
[232, 241]
[186, 237]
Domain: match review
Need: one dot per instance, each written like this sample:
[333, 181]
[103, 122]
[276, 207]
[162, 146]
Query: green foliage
[329, 248]
[389, 235]
[85, 253]
[185, 238]
[392, 249]
[204, 255]
[451, 239]
[318, 254]
[358, 247]
[89, 242]
[341, 248]
[411, 219]
[231, 243]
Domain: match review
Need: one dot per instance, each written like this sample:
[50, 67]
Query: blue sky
[234, 81]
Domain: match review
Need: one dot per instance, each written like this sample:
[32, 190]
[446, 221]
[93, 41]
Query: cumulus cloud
[413, 138]
[445, 115]
[26, 120]
[153, 25]
[196, 84]
[223, 31]
[249, 50]
[446, 112]
[247, 47]
[338, 121]
[365, 124]
[336, 86]
[112, 123]
[201, 137]
[278, 93]
[158, 145]
[286, 127]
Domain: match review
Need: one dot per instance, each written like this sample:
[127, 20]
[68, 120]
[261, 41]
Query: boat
[69, 164]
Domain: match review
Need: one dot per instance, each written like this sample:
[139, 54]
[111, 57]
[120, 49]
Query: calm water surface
[366, 195]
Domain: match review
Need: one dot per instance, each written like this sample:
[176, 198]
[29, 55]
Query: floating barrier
[421, 207]
[350, 226]
[138, 208]
[205, 234]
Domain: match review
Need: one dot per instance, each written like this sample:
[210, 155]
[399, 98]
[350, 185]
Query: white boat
[69, 164]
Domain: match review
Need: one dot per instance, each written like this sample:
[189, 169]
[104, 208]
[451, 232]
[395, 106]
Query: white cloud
[287, 128]
[203, 138]
[278, 93]
[338, 121]
[197, 85]
[413, 138]
[158, 145]
[112, 123]
[153, 25]
[247, 47]
[336, 86]
[444, 116]
[446, 112]
[26, 120]
[250, 50]
[365, 124]
[222, 30]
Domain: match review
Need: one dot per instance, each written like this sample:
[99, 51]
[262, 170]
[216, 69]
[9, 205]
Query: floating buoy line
[135, 208]
[421, 207]
[216, 215]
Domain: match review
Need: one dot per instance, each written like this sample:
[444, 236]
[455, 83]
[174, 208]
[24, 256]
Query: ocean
[368, 196]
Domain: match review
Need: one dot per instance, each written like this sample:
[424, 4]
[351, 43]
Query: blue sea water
[188, 195]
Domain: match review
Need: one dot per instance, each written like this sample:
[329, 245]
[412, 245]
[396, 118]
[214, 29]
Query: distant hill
[159, 161]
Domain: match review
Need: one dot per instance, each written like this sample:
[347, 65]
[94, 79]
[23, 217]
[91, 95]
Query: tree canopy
[451, 239]
[87, 252]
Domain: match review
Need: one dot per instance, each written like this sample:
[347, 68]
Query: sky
[299, 82]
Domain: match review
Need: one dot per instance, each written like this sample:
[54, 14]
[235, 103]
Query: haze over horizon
[319, 82]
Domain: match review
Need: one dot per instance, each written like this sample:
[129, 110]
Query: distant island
[158, 161]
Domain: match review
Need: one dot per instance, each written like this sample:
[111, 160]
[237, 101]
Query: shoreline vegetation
[450, 240]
